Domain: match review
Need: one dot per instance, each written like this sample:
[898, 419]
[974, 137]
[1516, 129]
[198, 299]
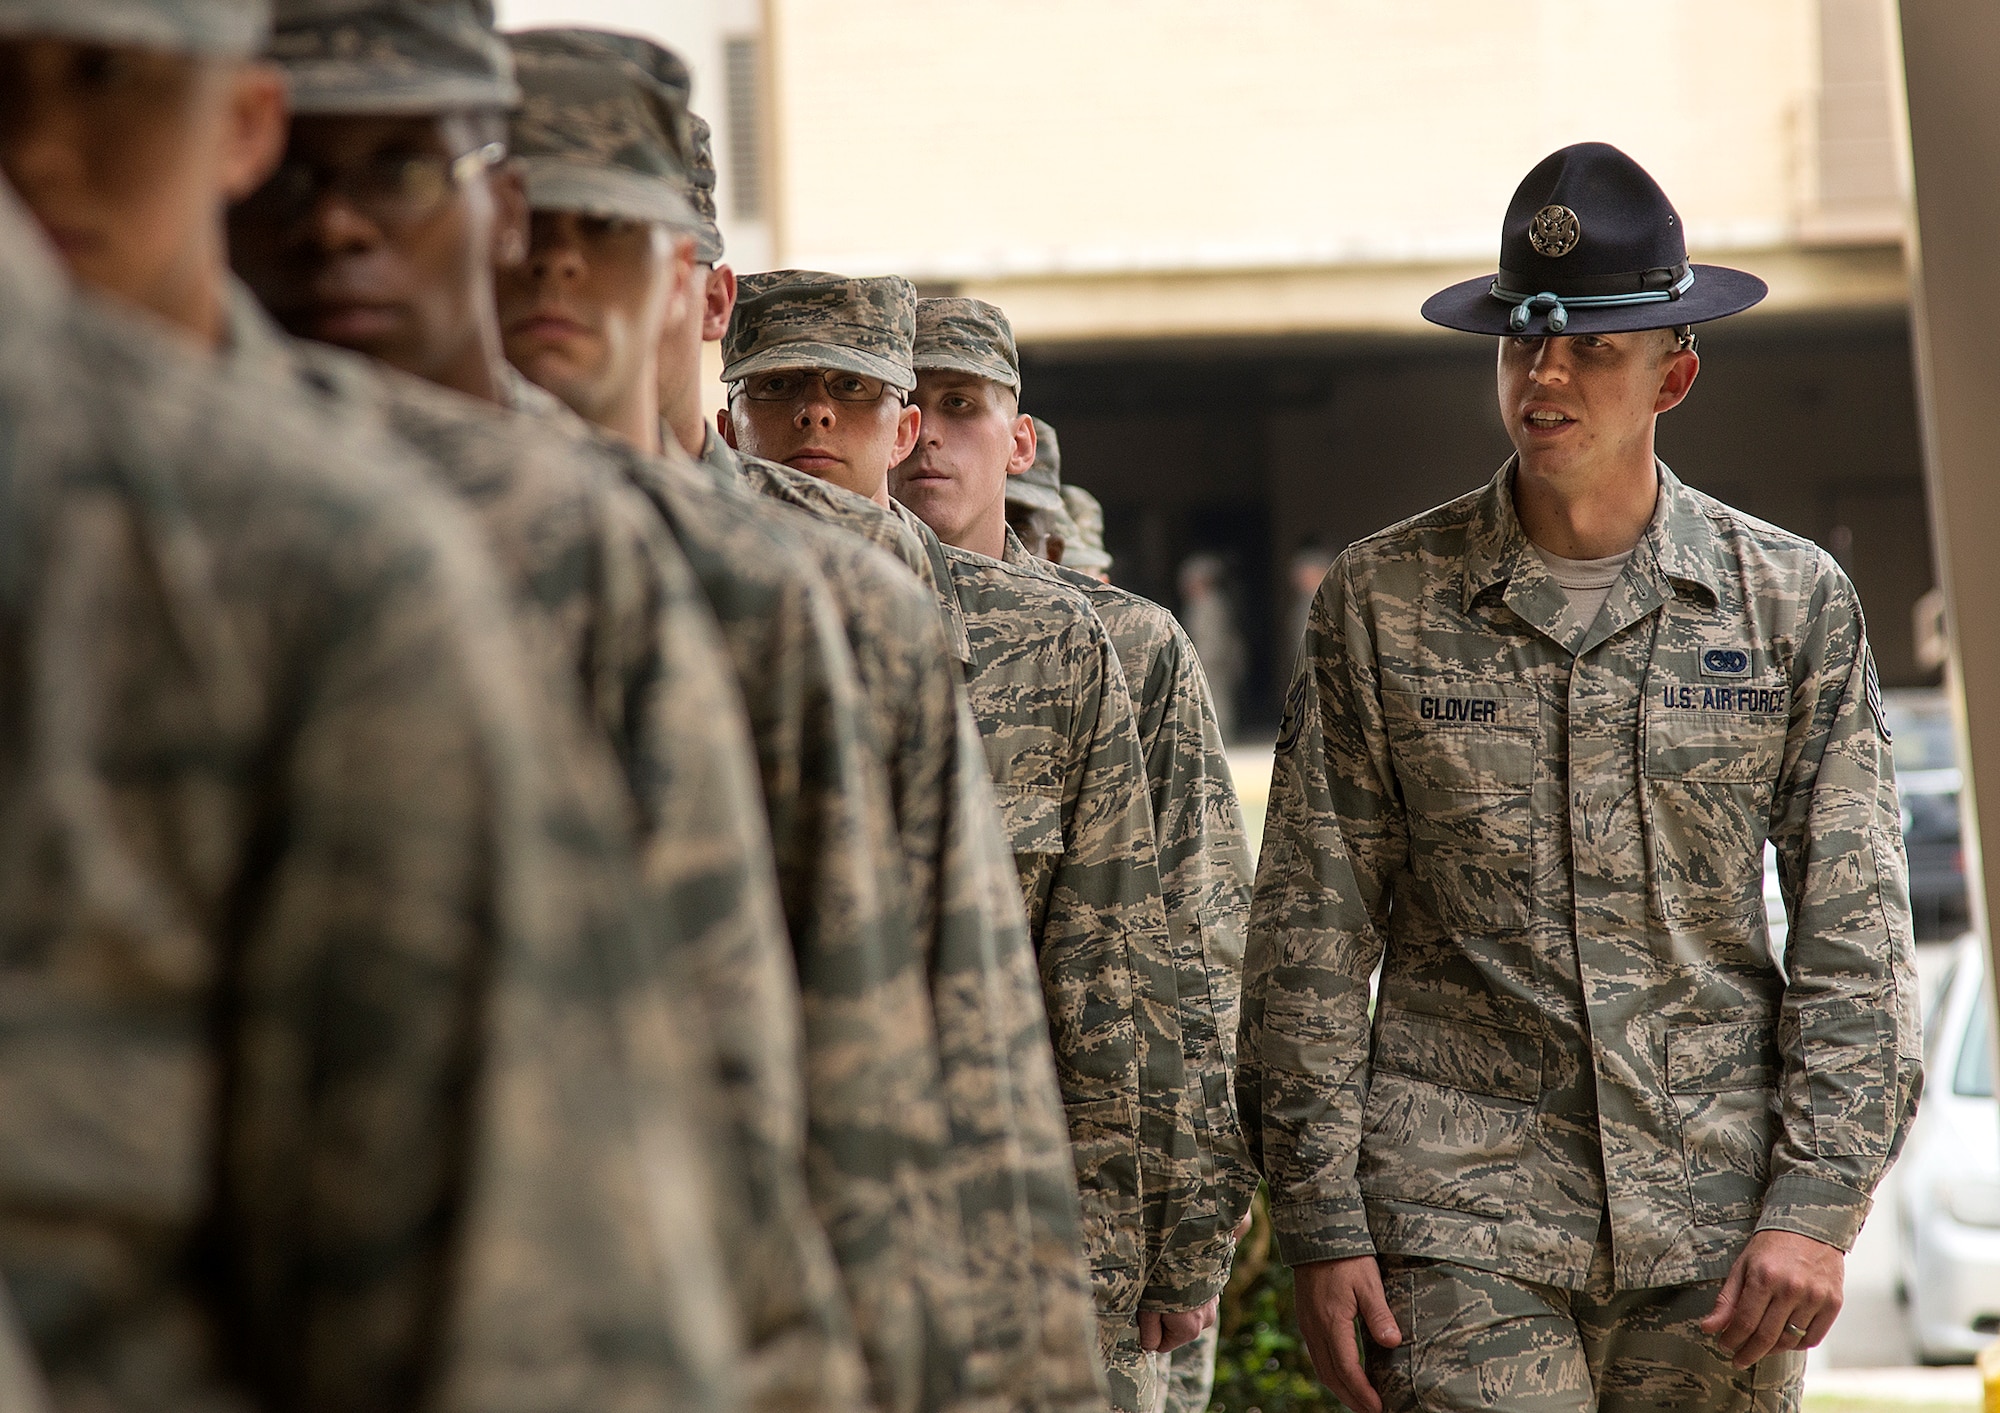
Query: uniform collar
[1677, 554]
[949, 607]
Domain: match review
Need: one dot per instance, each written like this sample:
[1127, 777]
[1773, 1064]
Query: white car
[1948, 1203]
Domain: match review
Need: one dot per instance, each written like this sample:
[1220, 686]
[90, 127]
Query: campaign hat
[1592, 245]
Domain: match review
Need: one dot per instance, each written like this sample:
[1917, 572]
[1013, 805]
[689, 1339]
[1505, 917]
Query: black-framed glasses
[795, 384]
[392, 189]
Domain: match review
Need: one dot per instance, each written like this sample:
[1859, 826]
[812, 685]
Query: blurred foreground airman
[1601, 1150]
[317, 1091]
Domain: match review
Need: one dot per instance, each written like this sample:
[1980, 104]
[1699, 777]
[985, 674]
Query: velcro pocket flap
[1712, 1059]
[1033, 817]
[1849, 1075]
[1481, 1059]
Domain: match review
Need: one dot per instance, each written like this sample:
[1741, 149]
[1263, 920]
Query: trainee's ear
[510, 216]
[726, 426]
[1022, 458]
[908, 427]
[721, 303]
[260, 122]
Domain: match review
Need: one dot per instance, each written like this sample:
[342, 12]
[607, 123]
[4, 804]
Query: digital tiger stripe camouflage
[1551, 838]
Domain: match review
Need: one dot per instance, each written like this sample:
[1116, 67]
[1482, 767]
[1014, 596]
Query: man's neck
[1587, 513]
[985, 535]
[478, 368]
[635, 416]
[685, 424]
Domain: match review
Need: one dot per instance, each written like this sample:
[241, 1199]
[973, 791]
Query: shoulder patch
[1873, 688]
[1297, 700]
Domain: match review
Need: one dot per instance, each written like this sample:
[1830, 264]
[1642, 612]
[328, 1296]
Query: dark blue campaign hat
[1591, 245]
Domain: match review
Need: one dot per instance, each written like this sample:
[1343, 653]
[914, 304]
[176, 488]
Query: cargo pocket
[1709, 780]
[1724, 1082]
[1449, 1109]
[1465, 760]
[1849, 1057]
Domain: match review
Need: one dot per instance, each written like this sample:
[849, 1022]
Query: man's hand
[1164, 1333]
[1782, 1293]
[1328, 1297]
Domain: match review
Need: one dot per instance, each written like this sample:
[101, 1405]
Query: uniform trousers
[1476, 1340]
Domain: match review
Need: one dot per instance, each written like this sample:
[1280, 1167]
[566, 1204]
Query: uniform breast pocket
[1465, 760]
[1723, 1079]
[1709, 780]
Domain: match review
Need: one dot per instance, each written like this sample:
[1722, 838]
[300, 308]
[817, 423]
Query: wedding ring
[1795, 1331]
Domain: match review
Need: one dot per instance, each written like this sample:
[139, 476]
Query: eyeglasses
[393, 190]
[796, 384]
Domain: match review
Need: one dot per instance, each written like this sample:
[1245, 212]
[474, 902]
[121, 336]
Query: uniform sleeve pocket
[1032, 816]
[1481, 1059]
[1848, 1055]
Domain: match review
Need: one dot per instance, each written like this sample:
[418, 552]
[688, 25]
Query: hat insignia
[1554, 232]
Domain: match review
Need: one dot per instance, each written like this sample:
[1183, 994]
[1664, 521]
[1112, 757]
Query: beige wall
[1030, 136]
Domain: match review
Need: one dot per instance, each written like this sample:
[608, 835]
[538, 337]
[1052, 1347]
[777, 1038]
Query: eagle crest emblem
[1554, 232]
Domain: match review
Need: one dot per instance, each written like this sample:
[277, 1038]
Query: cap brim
[940, 362]
[1078, 556]
[1021, 491]
[218, 30]
[832, 357]
[555, 184]
[341, 87]
[1718, 292]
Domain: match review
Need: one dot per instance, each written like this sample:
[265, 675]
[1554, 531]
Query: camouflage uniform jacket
[620, 619]
[1205, 881]
[877, 1123]
[1008, 1168]
[938, 579]
[1063, 749]
[315, 1091]
[1551, 835]
[818, 498]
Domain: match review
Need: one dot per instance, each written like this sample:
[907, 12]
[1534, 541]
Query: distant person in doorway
[1209, 615]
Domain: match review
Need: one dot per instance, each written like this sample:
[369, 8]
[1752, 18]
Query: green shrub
[1261, 1364]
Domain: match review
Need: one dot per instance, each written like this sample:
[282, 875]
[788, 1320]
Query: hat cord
[1557, 307]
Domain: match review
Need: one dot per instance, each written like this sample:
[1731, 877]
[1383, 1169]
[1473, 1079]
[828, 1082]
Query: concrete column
[1951, 53]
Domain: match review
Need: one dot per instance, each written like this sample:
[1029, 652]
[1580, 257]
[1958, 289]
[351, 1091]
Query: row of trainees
[612, 989]
[516, 898]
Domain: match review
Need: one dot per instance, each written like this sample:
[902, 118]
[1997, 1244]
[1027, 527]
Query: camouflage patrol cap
[1040, 486]
[393, 57]
[1086, 551]
[701, 191]
[224, 28]
[603, 125]
[967, 336]
[810, 319]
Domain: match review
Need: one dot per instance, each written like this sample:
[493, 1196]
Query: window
[743, 78]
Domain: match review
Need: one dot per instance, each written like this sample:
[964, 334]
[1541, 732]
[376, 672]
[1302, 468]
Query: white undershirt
[1588, 582]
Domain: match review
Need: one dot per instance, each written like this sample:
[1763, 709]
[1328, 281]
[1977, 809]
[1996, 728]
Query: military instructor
[1604, 1147]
